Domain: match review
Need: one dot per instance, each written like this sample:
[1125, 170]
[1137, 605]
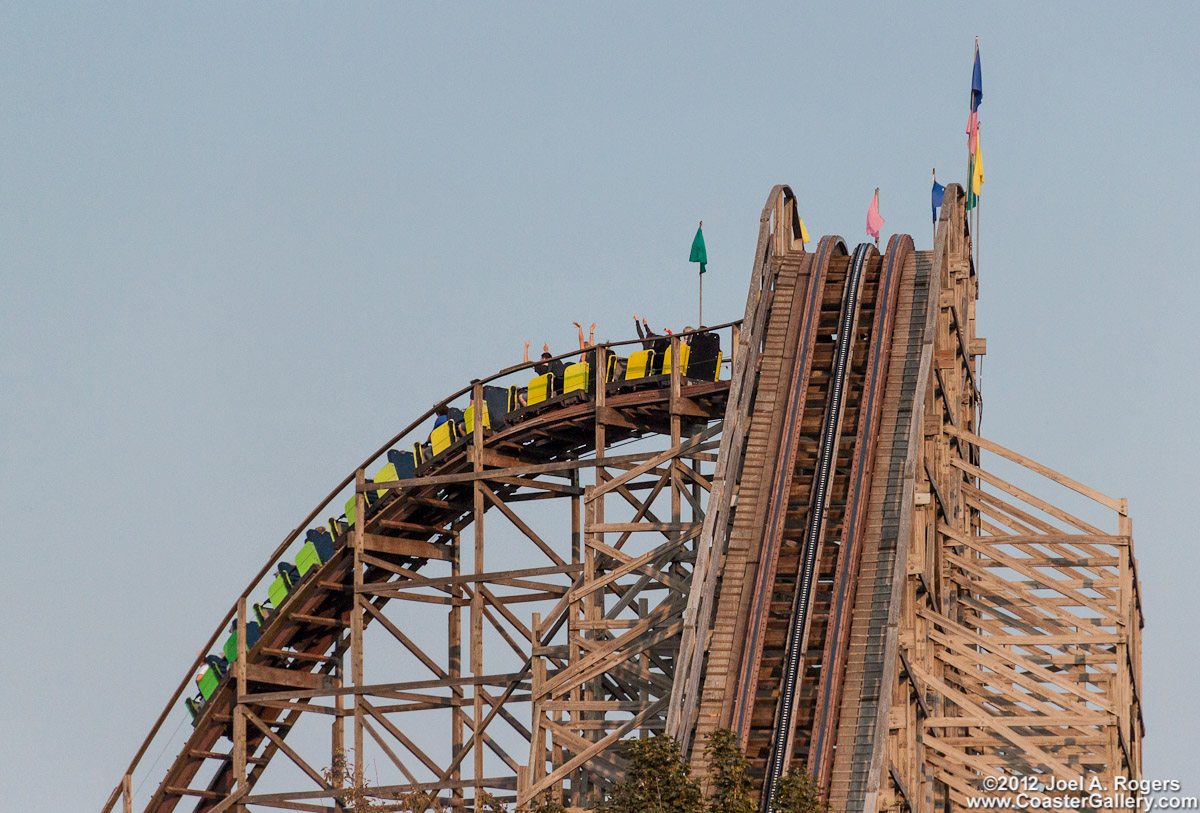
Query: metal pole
[356, 626]
[978, 197]
[701, 229]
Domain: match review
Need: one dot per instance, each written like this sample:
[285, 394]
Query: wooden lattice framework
[544, 665]
[1011, 642]
[1015, 634]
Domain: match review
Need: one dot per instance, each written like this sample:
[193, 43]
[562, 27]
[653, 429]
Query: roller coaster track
[804, 548]
[815, 525]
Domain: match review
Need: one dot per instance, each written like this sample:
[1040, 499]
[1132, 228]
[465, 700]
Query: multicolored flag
[874, 221]
[976, 185]
[975, 161]
[699, 252]
[976, 98]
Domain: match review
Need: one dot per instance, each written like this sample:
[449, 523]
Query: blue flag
[939, 194]
[976, 82]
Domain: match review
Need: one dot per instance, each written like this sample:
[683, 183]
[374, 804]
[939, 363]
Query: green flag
[699, 253]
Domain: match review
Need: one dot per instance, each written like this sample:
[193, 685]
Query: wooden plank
[493, 576]
[407, 547]
[287, 677]
[558, 467]
[634, 527]
[1032, 465]
[258, 723]
[383, 689]
[599, 747]
[524, 528]
[1021, 494]
[678, 450]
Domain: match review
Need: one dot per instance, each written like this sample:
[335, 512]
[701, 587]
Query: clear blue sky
[241, 246]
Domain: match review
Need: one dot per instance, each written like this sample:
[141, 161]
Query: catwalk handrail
[295, 532]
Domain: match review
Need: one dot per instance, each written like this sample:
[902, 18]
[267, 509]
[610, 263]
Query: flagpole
[971, 204]
[934, 173]
[701, 321]
[970, 154]
[978, 195]
[978, 141]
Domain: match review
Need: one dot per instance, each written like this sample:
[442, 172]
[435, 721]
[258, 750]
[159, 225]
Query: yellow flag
[977, 175]
[804, 238]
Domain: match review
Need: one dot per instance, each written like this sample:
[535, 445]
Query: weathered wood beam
[1120, 506]
[258, 723]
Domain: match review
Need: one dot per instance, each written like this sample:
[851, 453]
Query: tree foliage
[658, 780]
[798, 793]
[729, 780]
[354, 790]
[548, 802]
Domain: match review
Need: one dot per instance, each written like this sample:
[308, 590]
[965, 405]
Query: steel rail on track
[781, 478]
[815, 527]
[825, 715]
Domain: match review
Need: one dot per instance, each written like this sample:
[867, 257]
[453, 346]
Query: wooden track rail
[658, 555]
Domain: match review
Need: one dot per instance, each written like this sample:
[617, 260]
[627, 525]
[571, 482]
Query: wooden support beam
[612, 417]
[397, 546]
[562, 467]
[524, 528]
[384, 689]
[287, 750]
[1109, 502]
[599, 747]
[404, 740]
[491, 577]
[678, 450]
[258, 673]
[411, 527]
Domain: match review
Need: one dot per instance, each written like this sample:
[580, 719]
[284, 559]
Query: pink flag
[874, 221]
[972, 132]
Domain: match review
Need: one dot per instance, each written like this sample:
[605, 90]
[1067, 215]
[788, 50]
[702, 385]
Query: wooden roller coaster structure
[808, 550]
